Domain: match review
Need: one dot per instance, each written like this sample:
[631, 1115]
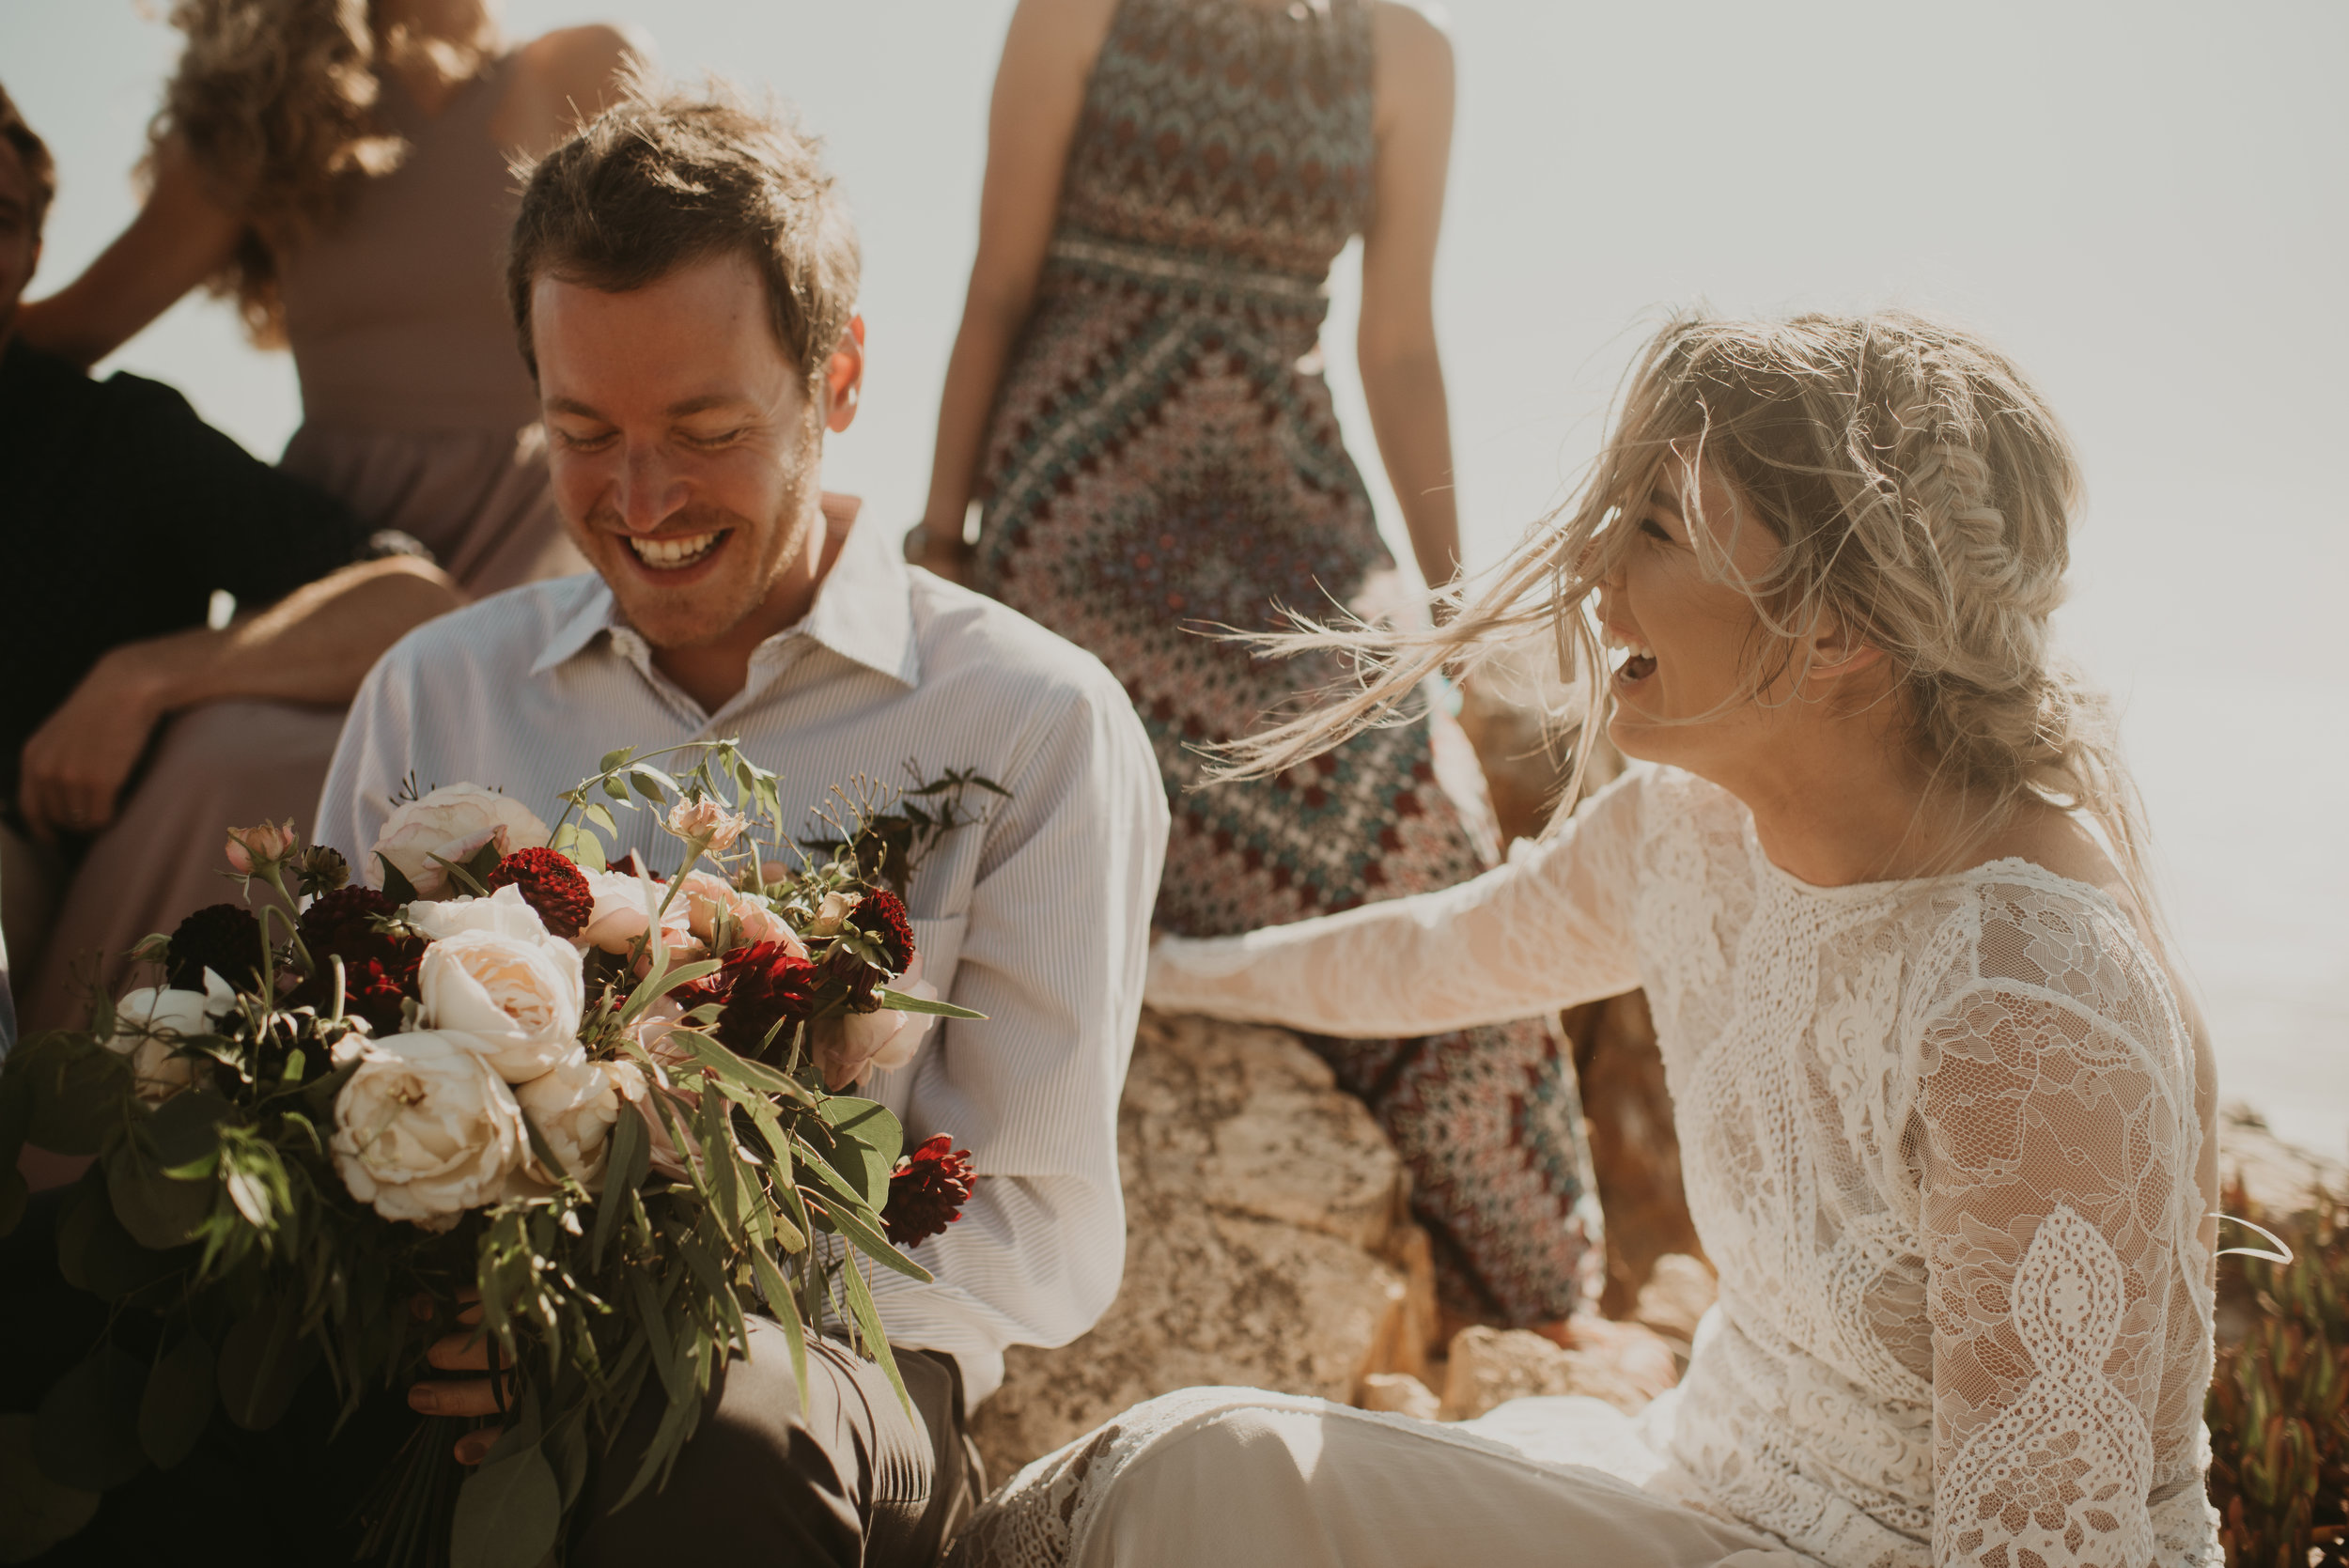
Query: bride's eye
[1655, 529]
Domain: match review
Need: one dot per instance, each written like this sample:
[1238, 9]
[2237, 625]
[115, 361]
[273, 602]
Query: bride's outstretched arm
[1548, 931]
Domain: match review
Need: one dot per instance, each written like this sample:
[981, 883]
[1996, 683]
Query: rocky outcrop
[1622, 1363]
[1268, 1244]
[2279, 1178]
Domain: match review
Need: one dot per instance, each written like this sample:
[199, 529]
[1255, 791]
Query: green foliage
[2279, 1406]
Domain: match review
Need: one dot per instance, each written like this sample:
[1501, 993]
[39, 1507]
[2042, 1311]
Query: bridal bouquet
[597, 1110]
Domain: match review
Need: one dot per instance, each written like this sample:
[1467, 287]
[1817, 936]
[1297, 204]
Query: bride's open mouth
[1634, 661]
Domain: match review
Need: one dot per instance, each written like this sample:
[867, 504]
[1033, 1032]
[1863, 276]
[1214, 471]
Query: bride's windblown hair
[1923, 493]
[276, 104]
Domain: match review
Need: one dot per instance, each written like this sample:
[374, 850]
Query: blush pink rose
[452, 823]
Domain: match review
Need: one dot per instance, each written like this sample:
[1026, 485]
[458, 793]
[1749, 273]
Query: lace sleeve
[1548, 931]
[2058, 1216]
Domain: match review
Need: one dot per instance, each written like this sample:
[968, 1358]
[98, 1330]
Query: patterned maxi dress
[1164, 458]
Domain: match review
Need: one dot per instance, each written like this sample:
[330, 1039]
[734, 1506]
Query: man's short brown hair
[34, 154]
[664, 178]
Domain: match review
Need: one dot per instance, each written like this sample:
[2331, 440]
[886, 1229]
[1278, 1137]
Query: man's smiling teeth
[678, 551]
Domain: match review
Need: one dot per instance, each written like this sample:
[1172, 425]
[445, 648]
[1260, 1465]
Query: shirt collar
[863, 608]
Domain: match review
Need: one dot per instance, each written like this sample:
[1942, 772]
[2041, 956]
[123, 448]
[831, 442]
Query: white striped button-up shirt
[1039, 917]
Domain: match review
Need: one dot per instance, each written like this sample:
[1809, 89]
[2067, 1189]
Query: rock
[1401, 1393]
[1679, 1291]
[2277, 1177]
[1635, 1147]
[1619, 1362]
[1268, 1244]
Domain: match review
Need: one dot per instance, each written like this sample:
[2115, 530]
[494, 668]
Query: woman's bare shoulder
[563, 77]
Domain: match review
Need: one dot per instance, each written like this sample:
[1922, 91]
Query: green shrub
[2279, 1408]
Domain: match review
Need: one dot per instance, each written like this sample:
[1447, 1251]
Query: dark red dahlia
[765, 985]
[550, 884]
[223, 938]
[927, 1191]
[881, 916]
[372, 991]
[379, 966]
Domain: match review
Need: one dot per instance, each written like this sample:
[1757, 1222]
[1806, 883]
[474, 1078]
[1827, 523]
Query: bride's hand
[463, 1351]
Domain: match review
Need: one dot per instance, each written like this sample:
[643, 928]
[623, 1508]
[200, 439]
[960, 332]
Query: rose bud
[252, 850]
[707, 822]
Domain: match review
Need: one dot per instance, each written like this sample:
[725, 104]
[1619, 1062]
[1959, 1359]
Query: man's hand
[75, 764]
[467, 1350]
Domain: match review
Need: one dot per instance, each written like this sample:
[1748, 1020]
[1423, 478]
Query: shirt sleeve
[2059, 1213]
[240, 523]
[1549, 929]
[1052, 952]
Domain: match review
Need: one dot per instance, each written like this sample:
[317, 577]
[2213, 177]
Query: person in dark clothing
[132, 729]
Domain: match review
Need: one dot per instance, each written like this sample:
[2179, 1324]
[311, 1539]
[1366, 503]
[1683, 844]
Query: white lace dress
[1940, 1140]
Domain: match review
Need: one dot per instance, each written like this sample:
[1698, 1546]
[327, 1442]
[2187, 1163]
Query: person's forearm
[1411, 419]
[314, 646]
[982, 348]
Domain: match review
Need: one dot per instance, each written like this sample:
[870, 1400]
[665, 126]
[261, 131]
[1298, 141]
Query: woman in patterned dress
[1136, 395]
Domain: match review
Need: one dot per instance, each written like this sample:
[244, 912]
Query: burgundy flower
[926, 1192]
[372, 990]
[379, 966]
[343, 922]
[223, 938]
[766, 984]
[881, 916]
[550, 884]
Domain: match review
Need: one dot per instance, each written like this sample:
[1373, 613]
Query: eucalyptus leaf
[624, 1166]
[507, 1514]
[396, 887]
[95, 1253]
[905, 1003]
[869, 1240]
[262, 1361]
[36, 1513]
[784, 1309]
[870, 1121]
[86, 1432]
[178, 1403]
[868, 1324]
[184, 1131]
[154, 1210]
[81, 1091]
[856, 1160]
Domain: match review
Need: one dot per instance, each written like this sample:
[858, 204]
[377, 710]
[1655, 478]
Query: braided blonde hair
[1922, 493]
[276, 104]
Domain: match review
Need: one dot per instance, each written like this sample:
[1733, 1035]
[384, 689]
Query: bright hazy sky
[2147, 204]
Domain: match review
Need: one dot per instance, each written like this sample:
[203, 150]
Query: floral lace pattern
[1939, 1136]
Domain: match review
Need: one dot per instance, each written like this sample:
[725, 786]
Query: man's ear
[843, 377]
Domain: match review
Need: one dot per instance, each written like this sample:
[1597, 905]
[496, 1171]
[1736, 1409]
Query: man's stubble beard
[789, 538]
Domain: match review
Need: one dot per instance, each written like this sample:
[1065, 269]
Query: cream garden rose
[494, 974]
[150, 1023]
[623, 912]
[452, 822]
[424, 1128]
[574, 1107]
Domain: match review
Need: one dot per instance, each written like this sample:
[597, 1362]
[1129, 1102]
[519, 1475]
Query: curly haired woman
[1945, 1113]
[340, 168]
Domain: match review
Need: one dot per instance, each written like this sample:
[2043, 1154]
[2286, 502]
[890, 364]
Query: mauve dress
[419, 416]
[1163, 459]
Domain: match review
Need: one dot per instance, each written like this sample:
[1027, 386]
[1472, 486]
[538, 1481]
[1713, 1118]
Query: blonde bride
[1945, 1115]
